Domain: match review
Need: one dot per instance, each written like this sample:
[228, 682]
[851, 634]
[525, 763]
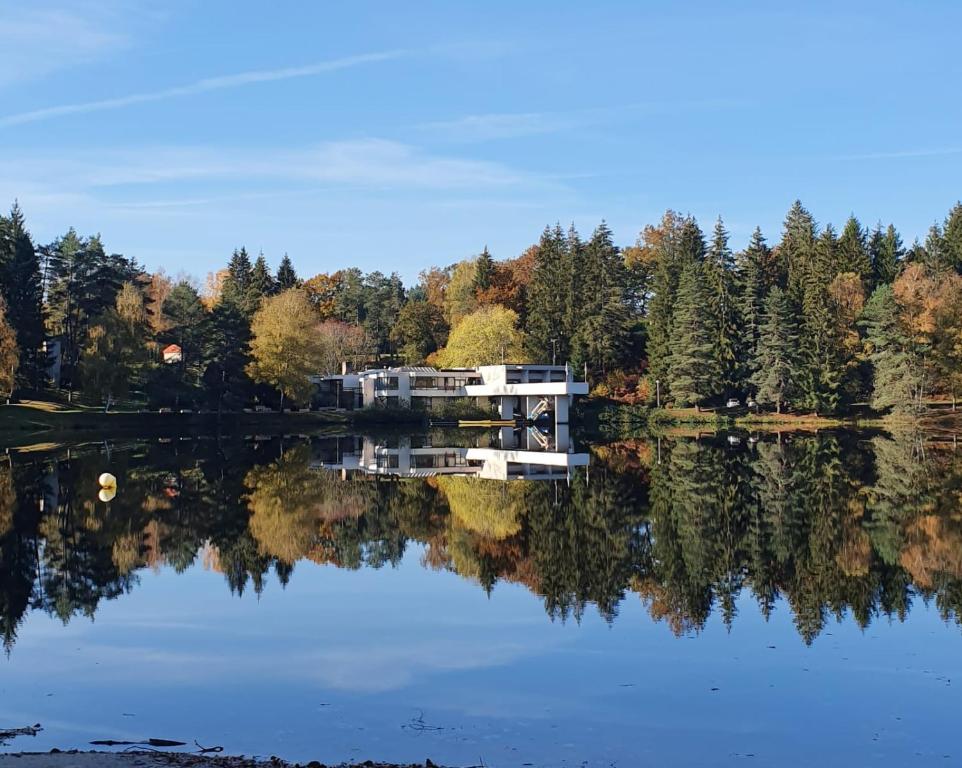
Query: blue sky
[395, 136]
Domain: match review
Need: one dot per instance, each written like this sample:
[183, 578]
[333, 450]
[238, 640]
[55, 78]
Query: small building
[172, 354]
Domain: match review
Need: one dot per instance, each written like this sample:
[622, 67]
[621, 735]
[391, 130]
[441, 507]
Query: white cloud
[362, 163]
[493, 126]
[36, 41]
[203, 85]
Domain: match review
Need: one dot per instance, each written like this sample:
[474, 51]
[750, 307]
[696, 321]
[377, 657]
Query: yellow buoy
[107, 493]
[107, 480]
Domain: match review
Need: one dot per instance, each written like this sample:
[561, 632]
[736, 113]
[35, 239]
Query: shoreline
[159, 759]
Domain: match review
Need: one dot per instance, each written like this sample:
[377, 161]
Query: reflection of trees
[836, 526]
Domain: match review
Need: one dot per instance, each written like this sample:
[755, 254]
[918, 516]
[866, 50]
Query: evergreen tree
[262, 282]
[776, 363]
[752, 290]
[853, 251]
[382, 297]
[822, 369]
[238, 286]
[483, 271]
[546, 333]
[677, 242]
[286, 276]
[886, 253]
[796, 252]
[934, 254]
[693, 369]
[896, 369]
[226, 353]
[720, 271]
[600, 338]
[82, 284]
[22, 288]
[952, 238]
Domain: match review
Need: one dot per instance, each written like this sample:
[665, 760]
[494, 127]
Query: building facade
[525, 391]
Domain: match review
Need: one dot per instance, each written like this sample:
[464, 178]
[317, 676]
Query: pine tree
[262, 282]
[720, 271]
[752, 291]
[677, 242]
[776, 363]
[886, 253]
[483, 271]
[601, 336]
[22, 288]
[796, 252]
[934, 253]
[822, 370]
[853, 252]
[693, 368]
[546, 335]
[896, 369]
[952, 238]
[82, 283]
[286, 276]
[238, 284]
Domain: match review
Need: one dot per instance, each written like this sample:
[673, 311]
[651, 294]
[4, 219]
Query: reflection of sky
[337, 664]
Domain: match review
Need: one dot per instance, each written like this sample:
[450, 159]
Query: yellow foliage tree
[487, 336]
[286, 348]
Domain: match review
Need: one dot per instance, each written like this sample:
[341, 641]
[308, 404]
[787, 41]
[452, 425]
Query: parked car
[733, 402]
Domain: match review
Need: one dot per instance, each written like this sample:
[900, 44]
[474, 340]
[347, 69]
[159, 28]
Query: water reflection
[837, 525]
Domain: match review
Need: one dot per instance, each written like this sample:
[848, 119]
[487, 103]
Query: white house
[518, 390]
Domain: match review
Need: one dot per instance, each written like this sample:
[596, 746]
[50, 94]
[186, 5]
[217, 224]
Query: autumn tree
[115, 352]
[487, 336]
[342, 343]
[459, 295]
[285, 348]
[321, 291]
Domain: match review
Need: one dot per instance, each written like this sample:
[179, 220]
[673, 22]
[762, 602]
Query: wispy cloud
[494, 126]
[32, 40]
[509, 125]
[204, 85]
[906, 153]
[362, 163]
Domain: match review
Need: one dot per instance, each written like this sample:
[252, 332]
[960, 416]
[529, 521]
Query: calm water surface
[676, 601]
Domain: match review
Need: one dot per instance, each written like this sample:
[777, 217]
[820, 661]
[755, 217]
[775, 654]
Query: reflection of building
[525, 390]
[535, 457]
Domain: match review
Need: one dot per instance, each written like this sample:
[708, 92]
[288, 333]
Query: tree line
[818, 321]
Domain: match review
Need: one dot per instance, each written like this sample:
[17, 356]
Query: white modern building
[527, 391]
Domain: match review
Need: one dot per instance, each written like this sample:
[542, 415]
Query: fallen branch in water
[147, 742]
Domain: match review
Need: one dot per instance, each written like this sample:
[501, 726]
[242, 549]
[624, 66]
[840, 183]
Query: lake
[714, 600]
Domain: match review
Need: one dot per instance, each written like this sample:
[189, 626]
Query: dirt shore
[165, 760]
